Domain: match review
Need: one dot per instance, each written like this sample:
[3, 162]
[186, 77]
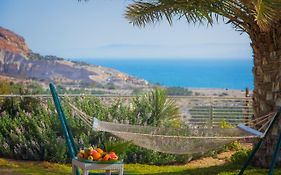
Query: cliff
[11, 42]
[18, 61]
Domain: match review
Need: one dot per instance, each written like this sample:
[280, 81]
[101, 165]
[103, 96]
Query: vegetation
[30, 130]
[37, 56]
[154, 108]
[178, 91]
[7, 87]
[240, 156]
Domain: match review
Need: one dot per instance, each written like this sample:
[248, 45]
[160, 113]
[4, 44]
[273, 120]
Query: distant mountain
[18, 61]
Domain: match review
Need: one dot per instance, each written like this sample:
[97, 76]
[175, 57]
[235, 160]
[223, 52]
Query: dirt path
[219, 159]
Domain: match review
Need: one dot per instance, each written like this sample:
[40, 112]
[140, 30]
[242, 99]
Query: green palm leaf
[244, 15]
[266, 12]
[143, 12]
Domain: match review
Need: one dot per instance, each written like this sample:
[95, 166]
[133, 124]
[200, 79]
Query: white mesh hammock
[178, 141]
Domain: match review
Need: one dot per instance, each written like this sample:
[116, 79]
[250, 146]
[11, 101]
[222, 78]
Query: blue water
[231, 74]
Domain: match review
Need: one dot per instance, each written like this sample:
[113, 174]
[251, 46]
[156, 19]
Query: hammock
[176, 140]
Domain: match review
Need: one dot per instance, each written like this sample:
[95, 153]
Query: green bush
[235, 146]
[137, 154]
[240, 156]
[179, 91]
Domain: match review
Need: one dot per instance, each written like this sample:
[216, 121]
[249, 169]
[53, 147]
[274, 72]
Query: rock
[11, 42]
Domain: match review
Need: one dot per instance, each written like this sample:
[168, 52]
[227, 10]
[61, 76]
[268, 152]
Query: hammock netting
[172, 140]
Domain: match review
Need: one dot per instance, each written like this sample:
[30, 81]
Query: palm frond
[243, 14]
[266, 12]
[142, 12]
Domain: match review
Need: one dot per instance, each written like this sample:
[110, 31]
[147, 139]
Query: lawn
[11, 167]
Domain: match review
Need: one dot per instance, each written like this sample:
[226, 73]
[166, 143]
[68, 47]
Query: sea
[189, 73]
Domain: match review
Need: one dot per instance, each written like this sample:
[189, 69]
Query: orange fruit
[106, 157]
[96, 155]
[99, 150]
[113, 156]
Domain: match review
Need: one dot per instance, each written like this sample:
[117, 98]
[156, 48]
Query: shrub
[224, 124]
[179, 91]
[240, 156]
[235, 145]
[137, 154]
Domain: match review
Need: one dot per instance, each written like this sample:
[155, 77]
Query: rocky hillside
[18, 61]
[11, 42]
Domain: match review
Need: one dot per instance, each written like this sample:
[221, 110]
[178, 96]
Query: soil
[219, 159]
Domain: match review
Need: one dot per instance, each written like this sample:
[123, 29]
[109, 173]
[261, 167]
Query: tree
[260, 19]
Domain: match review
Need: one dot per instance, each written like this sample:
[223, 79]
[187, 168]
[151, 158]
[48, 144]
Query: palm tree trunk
[267, 93]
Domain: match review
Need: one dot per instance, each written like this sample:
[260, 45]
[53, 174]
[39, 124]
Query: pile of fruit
[96, 154]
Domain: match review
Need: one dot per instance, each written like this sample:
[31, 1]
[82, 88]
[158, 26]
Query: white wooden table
[119, 167]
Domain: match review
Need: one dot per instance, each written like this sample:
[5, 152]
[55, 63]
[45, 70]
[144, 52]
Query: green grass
[11, 167]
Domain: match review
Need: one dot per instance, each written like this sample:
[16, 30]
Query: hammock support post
[256, 148]
[66, 130]
[275, 155]
[72, 147]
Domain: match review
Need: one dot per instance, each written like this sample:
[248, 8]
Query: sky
[98, 29]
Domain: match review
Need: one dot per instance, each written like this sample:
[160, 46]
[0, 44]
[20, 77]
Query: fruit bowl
[97, 155]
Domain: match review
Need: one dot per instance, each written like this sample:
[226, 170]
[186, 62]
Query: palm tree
[155, 108]
[260, 19]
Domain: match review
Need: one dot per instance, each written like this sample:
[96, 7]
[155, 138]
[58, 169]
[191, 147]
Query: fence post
[247, 105]
[211, 111]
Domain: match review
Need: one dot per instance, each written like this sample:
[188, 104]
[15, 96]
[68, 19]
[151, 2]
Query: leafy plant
[240, 156]
[235, 145]
[119, 147]
[224, 124]
[178, 91]
[154, 108]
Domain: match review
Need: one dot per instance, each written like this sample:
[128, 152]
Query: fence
[214, 110]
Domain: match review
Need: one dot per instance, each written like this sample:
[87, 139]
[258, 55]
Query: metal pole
[256, 148]
[275, 155]
[260, 142]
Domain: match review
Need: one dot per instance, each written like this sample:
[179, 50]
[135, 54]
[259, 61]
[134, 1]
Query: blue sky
[98, 29]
